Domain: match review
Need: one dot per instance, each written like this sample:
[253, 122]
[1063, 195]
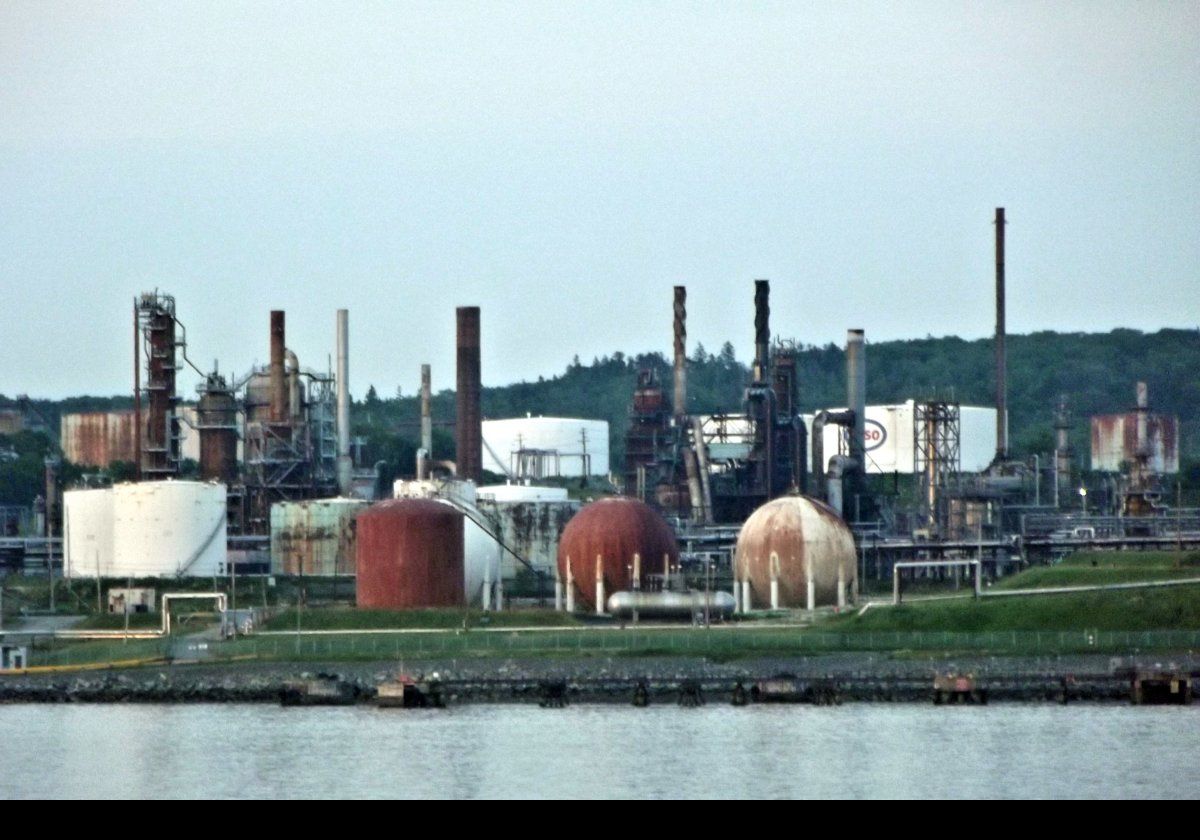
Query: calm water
[856, 750]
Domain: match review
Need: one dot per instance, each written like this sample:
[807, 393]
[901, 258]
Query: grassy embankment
[1173, 608]
[1114, 622]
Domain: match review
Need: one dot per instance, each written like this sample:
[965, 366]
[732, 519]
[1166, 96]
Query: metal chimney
[762, 329]
[1001, 355]
[680, 351]
[279, 391]
[469, 420]
[426, 417]
[345, 472]
[856, 395]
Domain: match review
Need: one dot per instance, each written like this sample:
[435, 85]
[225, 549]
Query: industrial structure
[783, 503]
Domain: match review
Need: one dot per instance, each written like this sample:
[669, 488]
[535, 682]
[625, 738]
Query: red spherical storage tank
[409, 554]
[608, 533]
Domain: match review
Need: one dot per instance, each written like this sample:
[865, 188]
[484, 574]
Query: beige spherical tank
[794, 534]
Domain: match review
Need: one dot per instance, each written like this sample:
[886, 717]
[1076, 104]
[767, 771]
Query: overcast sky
[564, 165]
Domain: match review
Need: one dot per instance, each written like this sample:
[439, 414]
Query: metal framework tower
[937, 434]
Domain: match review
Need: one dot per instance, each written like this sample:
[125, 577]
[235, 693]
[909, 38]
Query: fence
[717, 642]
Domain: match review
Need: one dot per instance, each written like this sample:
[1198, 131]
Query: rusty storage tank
[409, 555]
[607, 533]
[785, 538]
[314, 537]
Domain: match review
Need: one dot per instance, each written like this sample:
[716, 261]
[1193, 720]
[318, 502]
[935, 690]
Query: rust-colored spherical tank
[409, 555]
[793, 534]
[608, 533]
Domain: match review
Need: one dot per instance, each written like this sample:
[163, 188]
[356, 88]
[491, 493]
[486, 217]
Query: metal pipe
[746, 600]
[811, 593]
[277, 383]
[695, 495]
[469, 419]
[137, 392]
[295, 402]
[599, 586]
[1001, 354]
[680, 351]
[702, 461]
[558, 590]
[820, 420]
[345, 466]
[570, 593]
[774, 581]
[762, 329]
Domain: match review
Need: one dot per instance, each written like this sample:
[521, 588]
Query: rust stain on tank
[409, 555]
[99, 438]
[609, 532]
[786, 538]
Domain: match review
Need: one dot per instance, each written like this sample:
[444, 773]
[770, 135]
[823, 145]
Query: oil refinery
[761, 506]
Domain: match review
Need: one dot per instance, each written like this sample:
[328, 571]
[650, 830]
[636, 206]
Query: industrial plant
[760, 506]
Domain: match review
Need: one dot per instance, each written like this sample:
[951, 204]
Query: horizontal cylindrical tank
[409, 555]
[314, 537]
[151, 529]
[784, 540]
[606, 534]
[718, 604]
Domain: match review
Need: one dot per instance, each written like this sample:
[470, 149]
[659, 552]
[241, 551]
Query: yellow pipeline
[91, 666]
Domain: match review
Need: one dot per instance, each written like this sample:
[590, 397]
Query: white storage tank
[890, 437]
[88, 532]
[529, 520]
[481, 551]
[148, 529]
[169, 528]
[544, 447]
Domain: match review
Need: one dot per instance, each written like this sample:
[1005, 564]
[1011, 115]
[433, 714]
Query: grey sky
[563, 165]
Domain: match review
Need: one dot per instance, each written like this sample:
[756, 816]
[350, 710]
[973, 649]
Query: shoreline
[819, 680]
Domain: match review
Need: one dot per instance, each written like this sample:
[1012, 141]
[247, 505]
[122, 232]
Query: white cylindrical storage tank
[168, 528]
[87, 532]
[481, 551]
[512, 493]
[553, 446]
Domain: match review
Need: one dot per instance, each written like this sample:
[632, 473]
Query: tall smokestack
[762, 329]
[680, 351]
[279, 391]
[1001, 355]
[426, 411]
[856, 395]
[469, 422]
[345, 473]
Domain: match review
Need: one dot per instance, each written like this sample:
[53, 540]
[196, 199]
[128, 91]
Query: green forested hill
[1096, 372]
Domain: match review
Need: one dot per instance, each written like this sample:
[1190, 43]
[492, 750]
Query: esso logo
[874, 434]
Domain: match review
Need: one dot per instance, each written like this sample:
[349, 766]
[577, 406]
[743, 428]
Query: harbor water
[605, 751]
